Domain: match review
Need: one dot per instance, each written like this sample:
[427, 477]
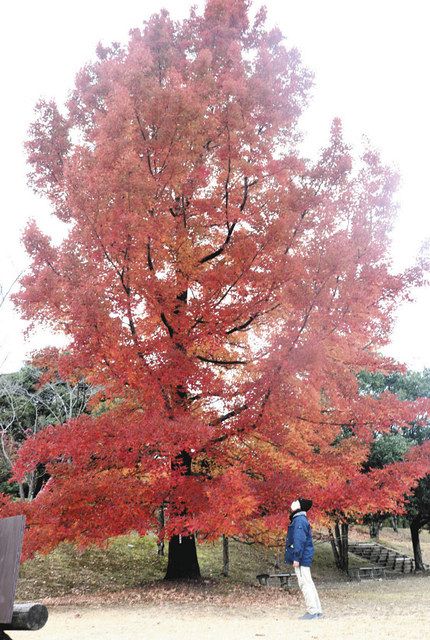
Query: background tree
[418, 514]
[386, 449]
[223, 290]
[371, 491]
[5, 292]
[29, 401]
[410, 386]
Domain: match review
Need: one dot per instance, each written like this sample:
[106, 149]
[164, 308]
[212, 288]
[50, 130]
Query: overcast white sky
[370, 59]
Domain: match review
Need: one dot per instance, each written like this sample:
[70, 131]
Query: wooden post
[11, 536]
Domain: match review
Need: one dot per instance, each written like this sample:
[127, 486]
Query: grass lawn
[130, 561]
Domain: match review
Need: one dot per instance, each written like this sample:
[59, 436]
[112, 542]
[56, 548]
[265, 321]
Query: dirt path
[400, 608]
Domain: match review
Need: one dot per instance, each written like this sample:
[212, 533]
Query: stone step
[382, 556]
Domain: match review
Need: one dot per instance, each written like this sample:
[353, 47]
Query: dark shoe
[310, 616]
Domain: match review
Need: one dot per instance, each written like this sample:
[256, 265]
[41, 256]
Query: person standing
[299, 551]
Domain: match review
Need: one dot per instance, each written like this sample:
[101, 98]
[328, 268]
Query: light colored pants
[308, 589]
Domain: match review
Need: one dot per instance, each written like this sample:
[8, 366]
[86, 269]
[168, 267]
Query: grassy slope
[129, 561]
[401, 541]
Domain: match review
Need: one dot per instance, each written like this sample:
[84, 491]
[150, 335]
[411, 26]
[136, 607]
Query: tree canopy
[222, 289]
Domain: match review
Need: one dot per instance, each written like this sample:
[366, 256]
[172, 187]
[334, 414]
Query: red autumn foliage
[222, 289]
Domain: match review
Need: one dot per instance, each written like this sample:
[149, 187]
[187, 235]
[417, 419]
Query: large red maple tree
[223, 290]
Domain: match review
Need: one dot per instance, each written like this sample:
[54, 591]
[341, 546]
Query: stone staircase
[379, 556]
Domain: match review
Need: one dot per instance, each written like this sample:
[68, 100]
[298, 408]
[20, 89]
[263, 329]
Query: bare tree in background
[4, 294]
[26, 407]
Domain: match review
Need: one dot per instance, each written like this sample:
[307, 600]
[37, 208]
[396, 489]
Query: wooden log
[26, 617]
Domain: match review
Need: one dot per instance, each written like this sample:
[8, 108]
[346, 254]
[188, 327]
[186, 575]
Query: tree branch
[214, 254]
[167, 324]
[243, 326]
[221, 362]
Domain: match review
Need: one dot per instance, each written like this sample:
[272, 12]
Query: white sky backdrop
[371, 64]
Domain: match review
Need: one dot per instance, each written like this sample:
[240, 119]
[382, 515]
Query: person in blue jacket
[299, 551]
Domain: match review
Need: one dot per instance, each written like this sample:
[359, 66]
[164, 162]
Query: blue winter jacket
[299, 545]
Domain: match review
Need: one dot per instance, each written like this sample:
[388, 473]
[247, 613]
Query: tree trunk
[183, 563]
[374, 528]
[415, 535]
[334, 549]
[225, 556]
[31, 479]
[345, 556]
[339, 545]
[160, 518]
[21, 491]
[395, 524]
[182, 560]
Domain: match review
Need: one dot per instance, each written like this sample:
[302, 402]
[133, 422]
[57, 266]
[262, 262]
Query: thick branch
[221, 362]
[149, 257]
[167, 324]
[246, 185]
[243, 326]
[214, 254]
[230, 414]
[251, 427]
[148, 155]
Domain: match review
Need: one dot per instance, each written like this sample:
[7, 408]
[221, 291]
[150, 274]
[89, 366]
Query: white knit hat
[295, 505]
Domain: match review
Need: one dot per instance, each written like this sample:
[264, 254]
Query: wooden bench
[16, 617]
[367, 573]
[284, 578]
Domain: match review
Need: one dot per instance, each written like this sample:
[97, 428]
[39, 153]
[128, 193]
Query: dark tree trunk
[334, 549]
[160, 518]
[183, 563]
[375, 528]
[415, 535]
[182, 560]
[225, 556]
[339, 545]
[395, 523]
[345, 556]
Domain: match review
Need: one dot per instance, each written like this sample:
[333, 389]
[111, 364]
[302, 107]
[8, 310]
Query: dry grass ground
[117, 593]
[354, 611]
